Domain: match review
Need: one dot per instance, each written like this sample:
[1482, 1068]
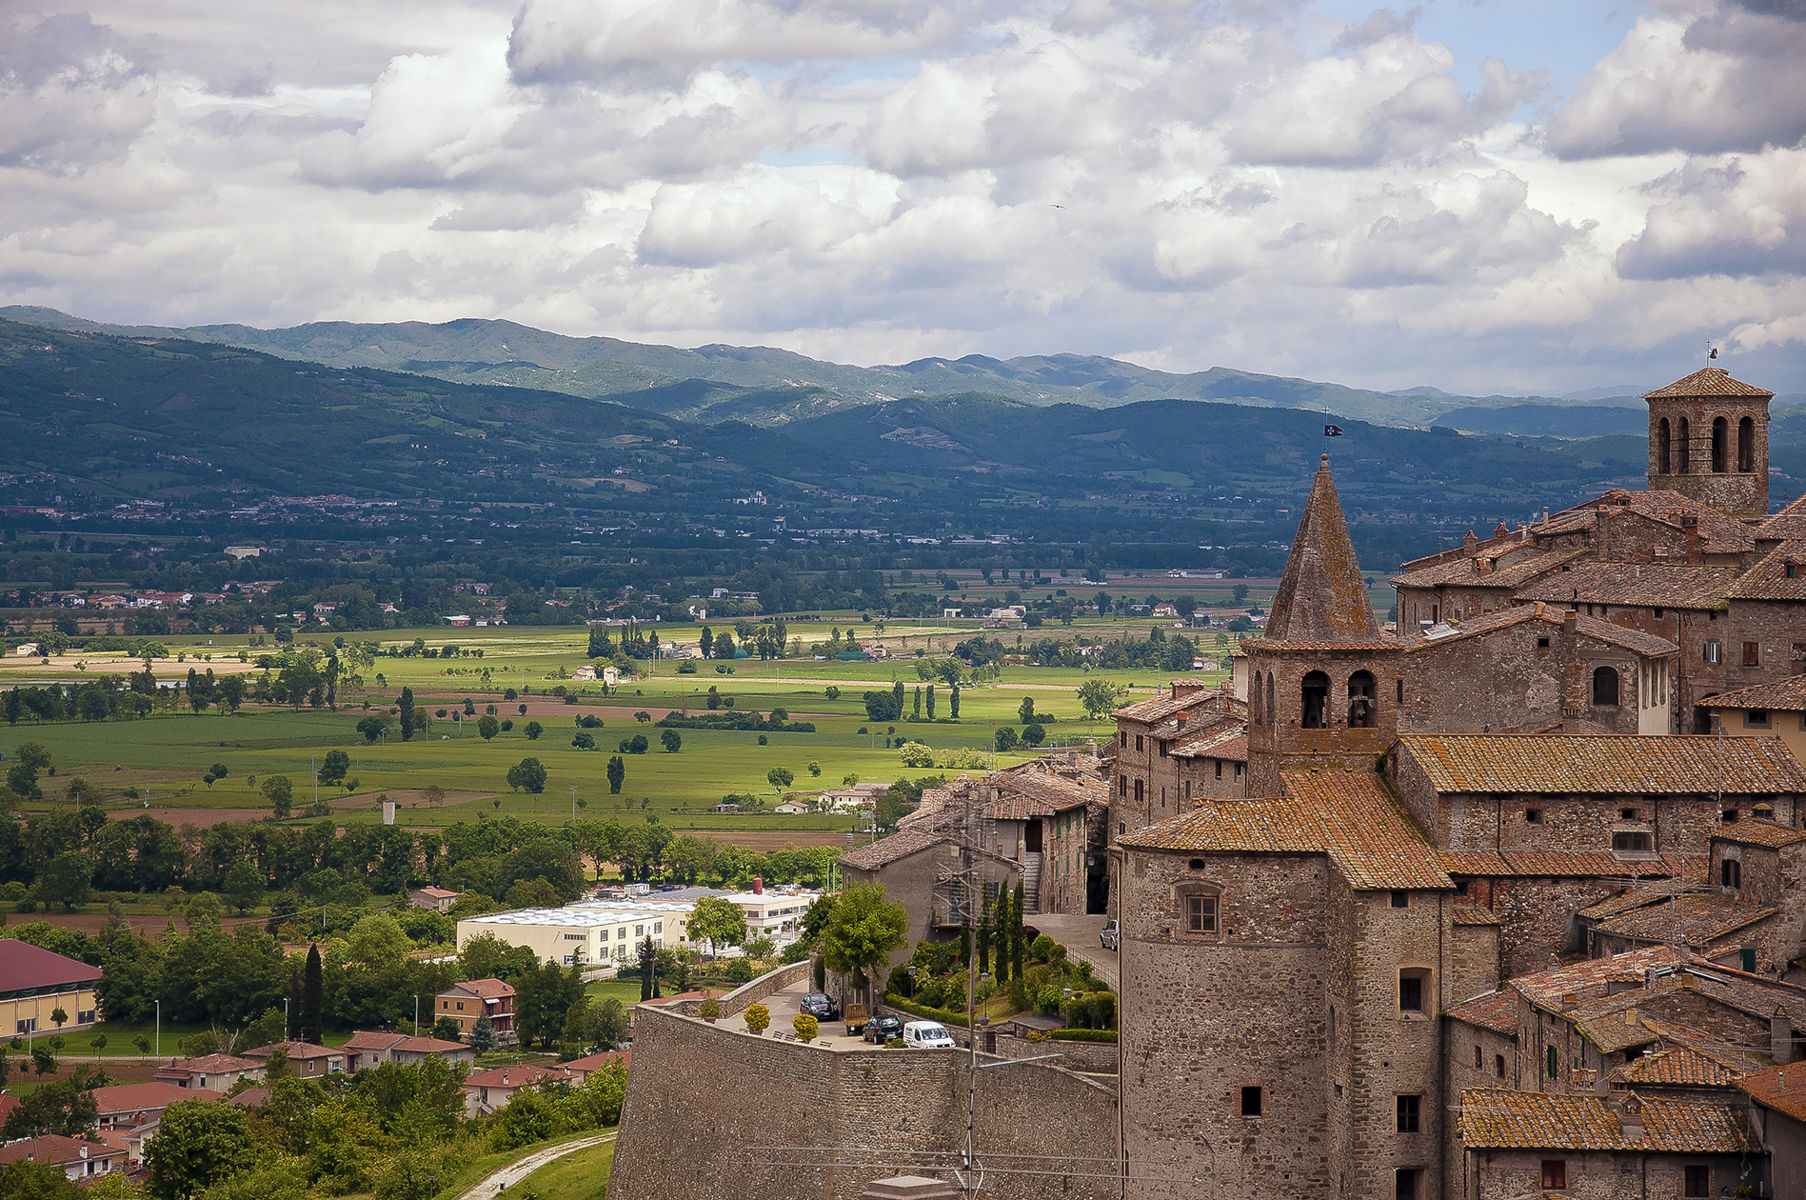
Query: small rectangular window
[1533, 816]
[1479, 1058]
[1411, 983]
[1410, 1113]
[1756, 718]
[1627, 841]
[1138, 741]
[1542, 643]
[1498, 1065]
[1404, 1183]
[1251, 1102]
[1752, 654]
[1555, 1174]
[1712, 652]
[1696, 1181]
[1200, 914]
[1401, 899]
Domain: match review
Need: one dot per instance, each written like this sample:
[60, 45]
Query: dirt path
[497, 1182]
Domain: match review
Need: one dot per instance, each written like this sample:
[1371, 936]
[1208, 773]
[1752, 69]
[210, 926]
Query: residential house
[365, 1050]
[128, 1106]
[304, 1058]
[435, 899]
[81, 1158]
[468, 1002]
[489, 1090]
[217, 1072]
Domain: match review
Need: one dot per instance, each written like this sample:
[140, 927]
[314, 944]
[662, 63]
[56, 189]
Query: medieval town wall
[715, 1113]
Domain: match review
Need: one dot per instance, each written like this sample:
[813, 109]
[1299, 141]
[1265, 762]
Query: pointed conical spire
[1322, 597]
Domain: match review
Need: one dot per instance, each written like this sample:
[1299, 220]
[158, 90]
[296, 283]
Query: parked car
[882, 1029]
[1110, 936]
[926, 1035]
[821, 1006]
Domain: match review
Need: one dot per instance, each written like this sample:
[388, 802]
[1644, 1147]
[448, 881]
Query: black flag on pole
[1332, 431]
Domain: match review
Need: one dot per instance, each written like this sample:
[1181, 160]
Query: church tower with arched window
[1324, 683]
[1708, 440]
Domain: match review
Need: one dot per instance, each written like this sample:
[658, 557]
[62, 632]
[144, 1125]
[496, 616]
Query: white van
[925, 1035]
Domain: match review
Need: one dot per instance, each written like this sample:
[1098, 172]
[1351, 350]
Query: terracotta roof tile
[1497, 1011]
[1322, 597]
[1349, 816]
[1778, 575]
[1707, 381]
[1760, 833]
[1229, 744]
[1644, 585]
[1677, 1066]
[1466, 570]
[1789, 523]
[899, 845]
[1691, 918]
[1552, 864]
[56, 1149]
[1546, 988]
[1467, 914]
[1519, 763]
[1782, 1088]
[1647, 644]
[1784, 695]
[1497, 1119]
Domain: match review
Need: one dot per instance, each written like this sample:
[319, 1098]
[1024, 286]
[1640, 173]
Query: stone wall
[717, 1114]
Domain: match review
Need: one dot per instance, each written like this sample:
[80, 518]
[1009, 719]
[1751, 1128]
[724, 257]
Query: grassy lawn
[582, 1175]
[494, 1162]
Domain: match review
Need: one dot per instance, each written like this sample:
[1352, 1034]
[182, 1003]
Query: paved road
[498, 1181]
[1079, 935]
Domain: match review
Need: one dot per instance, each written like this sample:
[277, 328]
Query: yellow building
[1767, 709]
[36, 983]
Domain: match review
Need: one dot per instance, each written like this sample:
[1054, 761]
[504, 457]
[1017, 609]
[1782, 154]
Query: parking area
[784, 1007]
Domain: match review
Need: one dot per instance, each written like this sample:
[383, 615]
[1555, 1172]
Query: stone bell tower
[1324, 683]
[1708, 440]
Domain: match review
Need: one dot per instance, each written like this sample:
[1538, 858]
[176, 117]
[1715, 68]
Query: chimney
[758, 886]
[1569, 620]
[1570, 1001]
[1780, 1037]
[1467, 542]
[504, 1079]
[1630, 1115]
[1649, 977]
[84, 1150]
[1501, 529]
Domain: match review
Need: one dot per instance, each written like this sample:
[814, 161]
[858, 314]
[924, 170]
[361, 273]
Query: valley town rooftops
[1677, 1066]
[1497, 1119]
[1635, 640]
[1350, 817]
[1518, 764]
[1780, 1088]
[1497, 1011]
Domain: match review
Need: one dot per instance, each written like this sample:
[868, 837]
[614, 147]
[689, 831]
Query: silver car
[1110, 935]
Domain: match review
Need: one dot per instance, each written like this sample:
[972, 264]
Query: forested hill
[92, 421]
[766, 386]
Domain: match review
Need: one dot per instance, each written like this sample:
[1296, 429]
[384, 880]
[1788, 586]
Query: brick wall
[704, 1102]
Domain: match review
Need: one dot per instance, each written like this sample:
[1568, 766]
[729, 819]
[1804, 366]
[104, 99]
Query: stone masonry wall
[717, 1114]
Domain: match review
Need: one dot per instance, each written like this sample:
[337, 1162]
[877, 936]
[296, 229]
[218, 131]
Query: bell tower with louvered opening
[1708, 440]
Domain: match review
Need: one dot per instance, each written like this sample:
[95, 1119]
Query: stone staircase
[1031, 883]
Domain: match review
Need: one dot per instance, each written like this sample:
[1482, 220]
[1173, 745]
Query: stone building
[1423, 817]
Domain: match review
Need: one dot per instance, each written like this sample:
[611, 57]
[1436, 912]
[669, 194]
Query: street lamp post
[159, 1029]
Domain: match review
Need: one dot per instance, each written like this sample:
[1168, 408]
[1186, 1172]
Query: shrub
[1103, 1010]
[806, 1027]
[710, 1009]
[758, 1018]
[1084, 1035]
[1048, 1000]
[1041, 949]
[687, 668]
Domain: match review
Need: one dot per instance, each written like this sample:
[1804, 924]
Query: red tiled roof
[1641, 585]
[1553, 864]
[1677, 1066]
[595, 1062]
[1781, 1088]
[519, 1077]
[483, 989]
[145, 1097]
[1646, 644]
[24, 966]
[55, 1149]
[1546, 988]
[1467, 914]
[1760, 833]
[1619, 764]
[1692, 918]
[210, 1064]
[1230, 745]
[1497, 1119]
[1322, 597]
[1784, 695]
[1789, 523]
[899, 845]
[1707, 381]
[297, 1051]
[1778, 575]
[1463, 569]
[1349, 816]
[1497, 1011]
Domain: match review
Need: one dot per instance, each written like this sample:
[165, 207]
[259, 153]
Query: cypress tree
[407, 713]
[648, 955]
[1017, 946]
[984, 939]
[896, 700]
[931, 702]
[312, 995]
[953, 703]
[1000, 934]
[917, 710]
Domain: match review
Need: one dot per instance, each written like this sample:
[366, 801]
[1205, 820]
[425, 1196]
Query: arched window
[1721, 432]
[1686, 447]
[1272, 713]
[1363, 702]
[1605, 686]
[1663, 463]
[1730, 873]
[1314, 695]
[1746, 445]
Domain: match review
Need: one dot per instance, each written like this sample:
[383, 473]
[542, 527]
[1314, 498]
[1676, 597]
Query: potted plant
[806, 1027]
[710, 1010]
[758, 1019]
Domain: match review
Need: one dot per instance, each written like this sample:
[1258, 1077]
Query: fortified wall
[715, 1113]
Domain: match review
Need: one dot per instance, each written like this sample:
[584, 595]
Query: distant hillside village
[1506, 900]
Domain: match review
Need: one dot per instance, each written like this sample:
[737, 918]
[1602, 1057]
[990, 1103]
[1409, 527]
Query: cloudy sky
[1479, 195]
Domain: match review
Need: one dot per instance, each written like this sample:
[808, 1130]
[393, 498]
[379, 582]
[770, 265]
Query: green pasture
[165, 757]
[580, 1175]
